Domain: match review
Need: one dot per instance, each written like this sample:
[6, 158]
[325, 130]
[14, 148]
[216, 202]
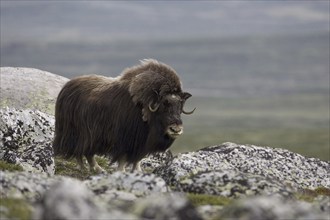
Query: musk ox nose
[174, 130]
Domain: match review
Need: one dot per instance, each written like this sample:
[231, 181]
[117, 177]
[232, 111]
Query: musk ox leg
[121, 165]
[94, 166]
[137, 166]
[81, 163]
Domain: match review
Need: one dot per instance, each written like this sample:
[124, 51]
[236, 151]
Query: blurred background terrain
[258, 70]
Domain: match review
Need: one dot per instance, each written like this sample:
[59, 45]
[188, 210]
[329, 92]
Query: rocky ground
[227, 181]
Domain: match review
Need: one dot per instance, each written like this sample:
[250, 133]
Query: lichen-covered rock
[156, 160]
[146, 196]
[271, 207]
[70, 199]
[281, 165]
[209, 211]
[322, 203]
[132, 184]
[232, 184]
[23, 185]
[138, 196]
[119, 185]
[26, 139]
[27, 88]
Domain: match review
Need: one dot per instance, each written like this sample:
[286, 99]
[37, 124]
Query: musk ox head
[165, 113]
[157, 89]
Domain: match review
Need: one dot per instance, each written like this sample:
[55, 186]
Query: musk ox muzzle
[174, 130]
[125, 118]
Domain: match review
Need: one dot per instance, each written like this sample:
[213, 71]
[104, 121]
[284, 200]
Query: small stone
[169, 206]
[271, 207]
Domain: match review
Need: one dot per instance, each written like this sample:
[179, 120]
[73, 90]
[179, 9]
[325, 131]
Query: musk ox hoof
[94, 167]
[122, 165]
[98, 169]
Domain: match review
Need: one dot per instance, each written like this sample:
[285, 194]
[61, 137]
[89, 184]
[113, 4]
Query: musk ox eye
[175, 97]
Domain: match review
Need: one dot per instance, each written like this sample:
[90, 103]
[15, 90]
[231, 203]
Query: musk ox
[126, 118]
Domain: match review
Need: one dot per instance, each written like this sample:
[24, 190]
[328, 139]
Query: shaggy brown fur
[127, 117]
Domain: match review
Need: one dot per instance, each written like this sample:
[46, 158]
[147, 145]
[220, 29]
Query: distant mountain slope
[225, 66]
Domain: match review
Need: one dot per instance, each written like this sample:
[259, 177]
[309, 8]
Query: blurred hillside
[49, 21]
[223, 66]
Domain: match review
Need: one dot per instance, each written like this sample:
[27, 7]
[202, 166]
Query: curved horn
[153, 109]
[188, 113]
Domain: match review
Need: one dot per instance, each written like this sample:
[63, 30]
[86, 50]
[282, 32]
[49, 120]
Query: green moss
[15, 209]
[103, 162]
[9, 166]
[322, 191]
[71, 168]
[4, 103]
[203, 199]
[309, 195]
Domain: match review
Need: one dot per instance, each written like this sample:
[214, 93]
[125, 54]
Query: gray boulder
[233, 184]
[155, 160]
[279, 165]
[27, 88]
[26, 139]
[70, 199]
[126, 186]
